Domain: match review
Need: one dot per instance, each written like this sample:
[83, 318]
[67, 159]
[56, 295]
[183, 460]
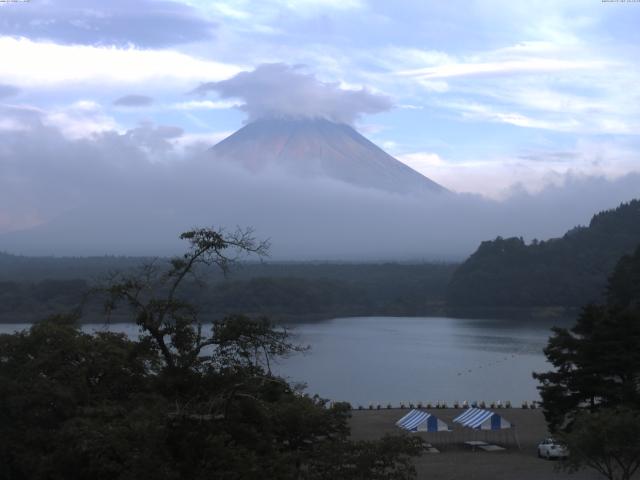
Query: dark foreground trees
[183, 401]
[592, 397]
[607, 440]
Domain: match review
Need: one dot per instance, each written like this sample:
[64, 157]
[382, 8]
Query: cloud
[531, 171]
[573, 119]
[8, 90]
[532, 65]
[197, 142]
[279, 90]
[133, 101]
[479, 111]
[154, 139]
[304, 6]
[145, 23]
[81, 119]
[205, 105]
[132, 192]
[558, 80]
[46, 64]
[257, 16]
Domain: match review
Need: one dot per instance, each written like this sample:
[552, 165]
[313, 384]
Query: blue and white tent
[419, 421]
[480, 419]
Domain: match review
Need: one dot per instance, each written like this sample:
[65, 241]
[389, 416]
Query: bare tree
[152, 293]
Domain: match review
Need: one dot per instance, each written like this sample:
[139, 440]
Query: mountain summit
[316, 148]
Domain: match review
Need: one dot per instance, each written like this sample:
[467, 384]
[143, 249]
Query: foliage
[35, 288]
[623, 291]
[597, 364]
[168, 322]
[597, 361]
[607, 440]
[570, 271]
[391, 457]
[56, 382]
[592, 397]
[182, 401]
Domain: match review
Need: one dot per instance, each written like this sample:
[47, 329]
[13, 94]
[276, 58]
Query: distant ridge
[570, 271]
[319, 148]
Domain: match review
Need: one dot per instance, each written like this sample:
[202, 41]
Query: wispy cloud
[34, 63]
[133, 100]
[144, 23]
[532, 65]
[268, 10]
[561, 85]
[205, 105]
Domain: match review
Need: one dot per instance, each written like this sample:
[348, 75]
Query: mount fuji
[317, 148]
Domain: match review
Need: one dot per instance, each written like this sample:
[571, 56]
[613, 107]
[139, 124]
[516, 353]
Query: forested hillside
[31, 288]
[569, 271]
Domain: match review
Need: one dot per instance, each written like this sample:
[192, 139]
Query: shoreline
[498, 313]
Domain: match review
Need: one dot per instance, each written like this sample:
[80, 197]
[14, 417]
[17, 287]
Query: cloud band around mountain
[283, 91]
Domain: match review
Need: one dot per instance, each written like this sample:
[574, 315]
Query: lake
[410, 359]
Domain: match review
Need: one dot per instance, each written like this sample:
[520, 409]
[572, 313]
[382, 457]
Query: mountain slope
[317, 148]
[569, 271]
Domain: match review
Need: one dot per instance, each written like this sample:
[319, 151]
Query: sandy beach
[457, 461]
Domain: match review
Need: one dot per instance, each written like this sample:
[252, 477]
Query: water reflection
[381, 359]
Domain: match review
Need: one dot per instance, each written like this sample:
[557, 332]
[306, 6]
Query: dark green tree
[596, 362]
[607, 440]
[391, 457]
[623, 292]
[184, 400]
[592, 396]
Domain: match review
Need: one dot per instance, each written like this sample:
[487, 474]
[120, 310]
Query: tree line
[570, 271]
[284, 291]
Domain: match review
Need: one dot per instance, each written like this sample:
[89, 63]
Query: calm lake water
[392, 359]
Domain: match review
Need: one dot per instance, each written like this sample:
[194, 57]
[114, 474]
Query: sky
[500, 99]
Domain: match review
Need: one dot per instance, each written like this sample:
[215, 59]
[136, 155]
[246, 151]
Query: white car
[549, 448]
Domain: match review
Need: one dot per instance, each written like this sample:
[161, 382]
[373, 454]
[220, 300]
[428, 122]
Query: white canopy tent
[480, 419]
[487, 421]
[421, 421]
